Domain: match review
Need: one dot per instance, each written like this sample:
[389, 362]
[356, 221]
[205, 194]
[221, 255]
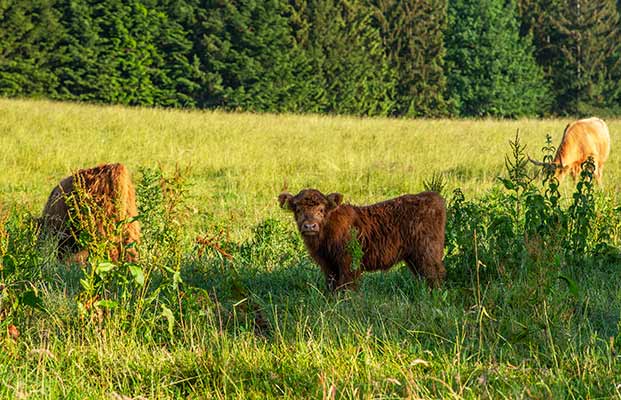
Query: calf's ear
[285, 200]
[334, 199]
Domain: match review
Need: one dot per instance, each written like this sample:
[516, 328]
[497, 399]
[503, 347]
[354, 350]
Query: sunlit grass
[240, 162]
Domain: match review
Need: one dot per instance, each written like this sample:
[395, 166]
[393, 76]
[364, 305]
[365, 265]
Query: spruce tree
[349, 70]
[245, 54]
[177, 71]
[77, 55]
[126, 52]
[537, 20]
[587, 75]
[413, 37]
[491, 70]
[29, 29]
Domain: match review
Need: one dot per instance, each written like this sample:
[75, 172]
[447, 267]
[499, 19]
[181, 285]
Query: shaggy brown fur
[582, 139]
[408, 228]
[94, 201]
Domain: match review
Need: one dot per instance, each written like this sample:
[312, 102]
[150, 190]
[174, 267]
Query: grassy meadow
[230, 305]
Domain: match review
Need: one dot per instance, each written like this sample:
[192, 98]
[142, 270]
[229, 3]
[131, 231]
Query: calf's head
[310, 208]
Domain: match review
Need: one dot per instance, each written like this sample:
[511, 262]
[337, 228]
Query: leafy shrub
[525, 222]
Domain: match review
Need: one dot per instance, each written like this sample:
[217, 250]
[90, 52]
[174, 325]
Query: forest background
[423, 58]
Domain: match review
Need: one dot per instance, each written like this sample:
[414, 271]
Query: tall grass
[240, 162]
[229, 304]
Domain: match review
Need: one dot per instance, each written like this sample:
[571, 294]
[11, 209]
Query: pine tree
[349, 70]
[587, 75]
[491, 70]
[177, 73]
[246, 54]
[76, 56]
[29, 30]
[413, 37]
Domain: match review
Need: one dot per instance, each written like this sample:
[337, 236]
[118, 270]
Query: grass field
[512, 321]
[238, 163]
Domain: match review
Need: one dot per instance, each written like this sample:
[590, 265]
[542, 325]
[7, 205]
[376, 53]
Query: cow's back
[584, 138]
[407, 212]
[390, 229]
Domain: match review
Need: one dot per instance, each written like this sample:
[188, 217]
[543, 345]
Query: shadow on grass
[287, 300]
[292, 301]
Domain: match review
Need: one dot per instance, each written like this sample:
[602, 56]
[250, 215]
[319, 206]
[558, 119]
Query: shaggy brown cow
[93, 201]
[408, 228]
[582, 139]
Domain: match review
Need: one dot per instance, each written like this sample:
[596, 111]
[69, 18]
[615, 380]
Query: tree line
[414, 58]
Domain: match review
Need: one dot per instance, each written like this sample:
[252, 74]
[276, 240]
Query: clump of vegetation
[508, 227]
[437, 183]
[355, 250]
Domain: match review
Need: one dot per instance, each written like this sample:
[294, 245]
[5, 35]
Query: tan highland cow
[409, 228]
[582, 139]
[94, 202]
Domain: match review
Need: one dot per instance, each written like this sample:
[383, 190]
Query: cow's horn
[539, 163]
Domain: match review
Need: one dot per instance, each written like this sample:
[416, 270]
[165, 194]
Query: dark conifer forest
[414, 58]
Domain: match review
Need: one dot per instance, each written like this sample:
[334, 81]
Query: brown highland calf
[93, 201]
[408, 228]
[582, 139]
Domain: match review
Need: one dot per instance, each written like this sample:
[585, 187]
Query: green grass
[261, 325]
[238, 163]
